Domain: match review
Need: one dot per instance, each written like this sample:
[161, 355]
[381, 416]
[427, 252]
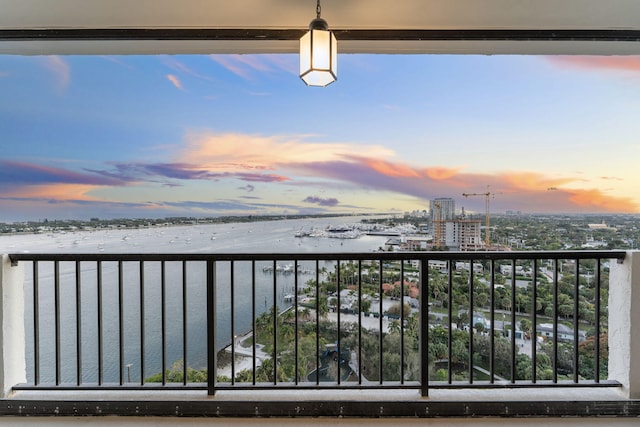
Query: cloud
[244, 65]
[322, 202]
[301, 162]
[175, 81]
[23, 173]
[60, 70]
[4, 74]
[150, 172]
[518, 190]
[221, 151]
[33, 181]
[181, 68]
[117, 60]
[51, 192]
[617, 63]
[344, 165]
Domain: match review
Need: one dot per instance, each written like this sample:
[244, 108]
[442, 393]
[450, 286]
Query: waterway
[151, 316]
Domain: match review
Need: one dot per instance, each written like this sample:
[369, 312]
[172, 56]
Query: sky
[208, 135]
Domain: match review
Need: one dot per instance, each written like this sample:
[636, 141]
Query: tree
[365, 305]
[395, 310]
[523, 367]
[482, 299]
[525, 326]
[175, 374]
[587, 362]
[462, 319]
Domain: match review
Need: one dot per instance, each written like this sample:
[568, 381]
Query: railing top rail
[312, 256]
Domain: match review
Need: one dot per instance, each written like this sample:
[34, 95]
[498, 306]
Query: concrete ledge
[361, 404]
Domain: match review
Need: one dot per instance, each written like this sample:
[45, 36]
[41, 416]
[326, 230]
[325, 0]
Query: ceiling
[601, 27]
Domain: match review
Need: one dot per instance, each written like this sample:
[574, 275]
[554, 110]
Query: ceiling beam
[263, 40]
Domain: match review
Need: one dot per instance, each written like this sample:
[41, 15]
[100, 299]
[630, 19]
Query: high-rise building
[464, 235]
[450, 231]
[442, 209]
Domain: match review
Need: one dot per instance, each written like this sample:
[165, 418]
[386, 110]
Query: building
[565, 333]
[463, 234]
[451, 231]
[442, 209]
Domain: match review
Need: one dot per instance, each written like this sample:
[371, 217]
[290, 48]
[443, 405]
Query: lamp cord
[318, 10]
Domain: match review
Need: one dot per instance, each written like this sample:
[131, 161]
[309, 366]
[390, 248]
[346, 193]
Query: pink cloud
[226, 151]
[58, 191]
[619, 63]
[295, 157]
[175, 81]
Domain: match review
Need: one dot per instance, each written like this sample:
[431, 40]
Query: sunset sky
[157, 136]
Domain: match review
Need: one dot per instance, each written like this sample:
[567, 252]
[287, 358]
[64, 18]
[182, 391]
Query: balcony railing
[349, 321]
[164, 321]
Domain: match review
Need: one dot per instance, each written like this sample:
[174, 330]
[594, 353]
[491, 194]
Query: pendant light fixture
[318, 53]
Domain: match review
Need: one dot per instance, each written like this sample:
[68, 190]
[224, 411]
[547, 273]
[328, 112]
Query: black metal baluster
[450, 313]
[121, 322]
[275, 324]
[380, 324]
[534, 320]
[471, 321]
[36, 324]
[56, 292]
[596, 279]
[211, 328]
[555, 320]
[576, 321]
[99, 314]
[141, 266]
[78, 325]
[253, 318]
[338, 317]
[185, 363]
[360, 322]
[514, 348]
[163, 319]
[295, 313]
[424, 327]
[232, 319]
[492, 303]
[402, 358]
[317, 322]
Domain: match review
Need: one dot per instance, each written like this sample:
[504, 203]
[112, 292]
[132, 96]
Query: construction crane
[487, 233]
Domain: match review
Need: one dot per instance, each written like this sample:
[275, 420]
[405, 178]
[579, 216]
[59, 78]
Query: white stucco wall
[624, 324]
[12, 349]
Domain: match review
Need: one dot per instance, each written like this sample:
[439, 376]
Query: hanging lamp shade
[318, 55]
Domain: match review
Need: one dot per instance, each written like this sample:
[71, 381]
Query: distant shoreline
[95, 224]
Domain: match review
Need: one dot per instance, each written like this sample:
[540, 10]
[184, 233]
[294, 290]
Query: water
[262, 236]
